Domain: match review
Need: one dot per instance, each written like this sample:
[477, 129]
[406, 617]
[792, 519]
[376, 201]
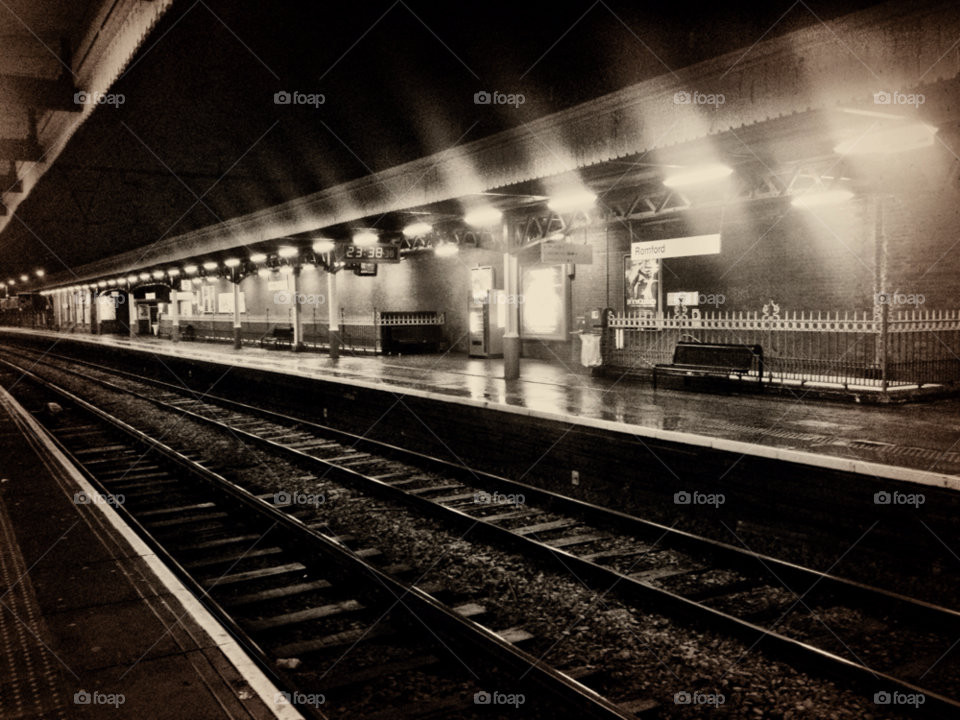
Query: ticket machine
[487, 312]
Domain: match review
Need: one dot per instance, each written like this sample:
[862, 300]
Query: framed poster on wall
[543, 311]
[208, 294]
[641, 285]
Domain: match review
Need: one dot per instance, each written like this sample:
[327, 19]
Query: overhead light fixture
[158, 274]
[698, 175]
[102, 283]
[571, 202]
[39, 273]
[231, 262]
[144, 276]
[483, 216]
[112, 283]
[24, 278]
[264, 272]
[286, 270]
[324, 246]
[209, 266]
[417, 229]
[365, 238]
[190, 269]
[258, 258]
[12, 281]
[831, 197]
[173, 272]
[446, 250]
[131, 279]
[287, 252]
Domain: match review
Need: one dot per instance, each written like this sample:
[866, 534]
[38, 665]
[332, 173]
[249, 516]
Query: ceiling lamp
[173, 272]
[264, 272]
[190, 269]
[572, 202]
[698, 175]
[111, 283]
[12, 281]
[324, 246]
[209, 266]
[24, 278]
[131, 279]
[417, 229]
[831, 197]
[102, 283]
[365, 238]
[286, 270]
[446, 250]
[231, 262]
[258, 258]
[39, 273]
[483, 216]
[287, 252]
[144, 276]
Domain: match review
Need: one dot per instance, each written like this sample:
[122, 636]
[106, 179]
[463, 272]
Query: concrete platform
[917, 443]
[91, 621]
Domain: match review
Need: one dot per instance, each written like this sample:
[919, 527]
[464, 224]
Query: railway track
[286, 587]
[722, 587]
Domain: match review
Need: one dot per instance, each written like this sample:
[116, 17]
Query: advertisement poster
[641, 284]
[208, 294]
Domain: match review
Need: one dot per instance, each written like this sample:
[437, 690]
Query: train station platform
[91, 621]
[916, 443]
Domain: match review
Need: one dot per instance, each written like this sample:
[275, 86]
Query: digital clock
[372, 253]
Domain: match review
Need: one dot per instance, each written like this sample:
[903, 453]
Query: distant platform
[92, 621]
[916, 443]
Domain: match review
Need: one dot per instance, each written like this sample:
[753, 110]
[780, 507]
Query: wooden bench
[691, 359]
[279, 336]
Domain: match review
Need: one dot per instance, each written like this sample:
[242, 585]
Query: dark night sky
[398, 79]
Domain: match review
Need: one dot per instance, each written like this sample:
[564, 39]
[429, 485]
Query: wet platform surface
[922, 436]
[91, 624]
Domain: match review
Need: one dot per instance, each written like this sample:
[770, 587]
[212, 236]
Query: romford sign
[676, 247]
[552, 253]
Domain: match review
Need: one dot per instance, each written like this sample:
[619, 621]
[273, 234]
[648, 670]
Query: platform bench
[279, 336]
[692, 359]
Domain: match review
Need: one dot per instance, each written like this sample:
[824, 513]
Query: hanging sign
[676, 247]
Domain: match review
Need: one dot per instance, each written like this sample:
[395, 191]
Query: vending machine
[488, 318]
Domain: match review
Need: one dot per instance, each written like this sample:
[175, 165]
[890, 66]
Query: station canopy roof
[200, 159]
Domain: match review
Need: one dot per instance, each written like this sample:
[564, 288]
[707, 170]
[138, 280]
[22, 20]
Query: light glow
[571, 202]
[446, 250]
[365, 239]
[698, 175]
[909, 137]
[831, 197]
[131, 279]
[263, 272]
[416, 229]
[209, 266]
[287, 252]
[173, 272]
[190, 269]
[144, 276]
[483, 216]
[323, 246]
[258, 258]
[231, 262]
[39, 273]
[286, 270]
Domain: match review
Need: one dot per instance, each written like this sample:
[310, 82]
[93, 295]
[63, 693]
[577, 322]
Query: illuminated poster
[543, 312]
[641, 284]
[208, 294]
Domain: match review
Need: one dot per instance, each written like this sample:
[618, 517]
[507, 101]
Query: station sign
[676, 247]
[371, 254]
[556, 252]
